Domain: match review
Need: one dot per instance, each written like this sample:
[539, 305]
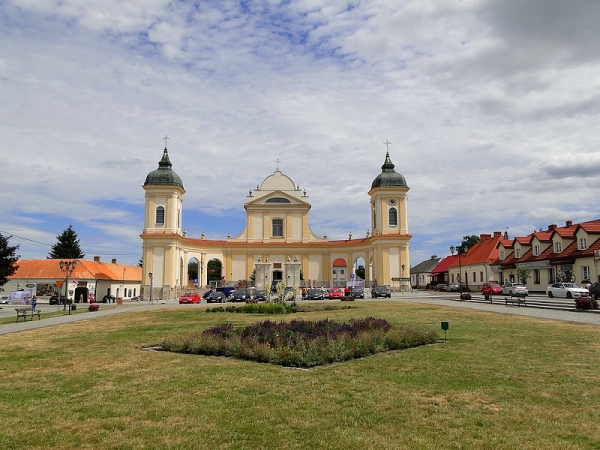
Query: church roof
[388, 176]
[164, 175]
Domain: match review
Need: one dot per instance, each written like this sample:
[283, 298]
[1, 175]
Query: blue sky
[491, 108]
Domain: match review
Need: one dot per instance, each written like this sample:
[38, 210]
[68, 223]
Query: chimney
[484, 237]
[114, 260]
[433, 256]
[96, 259]
[552, 227]
[497, 234]
[569, 223]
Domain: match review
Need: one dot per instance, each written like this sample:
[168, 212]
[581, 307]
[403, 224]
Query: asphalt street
[449, 299]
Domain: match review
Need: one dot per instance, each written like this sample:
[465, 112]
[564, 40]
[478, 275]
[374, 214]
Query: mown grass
[500, 381]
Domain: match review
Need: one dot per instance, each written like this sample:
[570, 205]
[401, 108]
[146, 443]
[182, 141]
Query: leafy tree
[213, 270]
[193, 270]
[523, 274]
[67, 246]
[8, 260]
[467, 243]
[360, 271]
[253, 275]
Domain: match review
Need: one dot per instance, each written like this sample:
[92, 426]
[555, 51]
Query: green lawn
[499, 382]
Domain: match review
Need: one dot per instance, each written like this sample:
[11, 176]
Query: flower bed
[586, 303]
[301, 343]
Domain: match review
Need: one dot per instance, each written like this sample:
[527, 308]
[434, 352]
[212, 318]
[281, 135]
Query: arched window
[160, 215]
[278, 200]
[278, 227]
[393, 217]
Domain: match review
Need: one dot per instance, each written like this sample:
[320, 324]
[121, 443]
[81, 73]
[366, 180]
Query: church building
[277, 243]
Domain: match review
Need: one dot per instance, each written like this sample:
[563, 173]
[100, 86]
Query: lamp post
[459, 253]
[150, 275]
[67, 267]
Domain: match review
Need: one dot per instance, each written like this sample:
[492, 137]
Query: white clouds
[485, 102]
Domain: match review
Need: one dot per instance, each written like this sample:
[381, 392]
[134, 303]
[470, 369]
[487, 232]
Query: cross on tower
[387, 145]
[277, 161]
[165, 139]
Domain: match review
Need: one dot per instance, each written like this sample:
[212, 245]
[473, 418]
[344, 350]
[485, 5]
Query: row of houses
[568, 253]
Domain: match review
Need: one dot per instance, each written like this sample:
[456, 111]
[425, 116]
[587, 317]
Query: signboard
[30, 285]
[596, 255]
[351, 275]
[400, 279]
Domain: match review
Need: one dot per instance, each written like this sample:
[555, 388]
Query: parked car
[189, 297]
[215, 297]
[260, 296]
[456, 288]
[516, 289]
[440, 287]
[491, 288]
[4, 300]
[595, 290]
[568, 290]
[240, 295]
[63, 300]
[381, 291]
[357, 293]
[226, 290]
[336, 293]
[314, 294]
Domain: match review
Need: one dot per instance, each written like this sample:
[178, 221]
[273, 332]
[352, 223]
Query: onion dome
[388, 176]
[164, 175]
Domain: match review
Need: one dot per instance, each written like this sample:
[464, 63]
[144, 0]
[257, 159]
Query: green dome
[164, 175]
[388, 176]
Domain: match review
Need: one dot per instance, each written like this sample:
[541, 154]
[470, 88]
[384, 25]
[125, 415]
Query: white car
[4, 300]
[568, 290]
[516, 289]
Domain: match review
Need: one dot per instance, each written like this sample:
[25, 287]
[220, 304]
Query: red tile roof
[39, 269]
[442, 267]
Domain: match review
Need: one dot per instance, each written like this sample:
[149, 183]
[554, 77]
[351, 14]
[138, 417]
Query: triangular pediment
[277, 200]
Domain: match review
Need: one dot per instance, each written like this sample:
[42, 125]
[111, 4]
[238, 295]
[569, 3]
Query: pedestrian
[589, 286]
[33, 303]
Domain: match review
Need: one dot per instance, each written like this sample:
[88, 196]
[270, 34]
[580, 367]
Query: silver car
[516, 289]
[568, 290]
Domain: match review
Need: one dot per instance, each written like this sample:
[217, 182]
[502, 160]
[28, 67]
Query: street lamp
[67, 267]
[150, 275]
[459, 253]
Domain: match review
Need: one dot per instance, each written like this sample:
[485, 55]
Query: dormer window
[501, 254]
[518, 252]
[582, 244]
[536, 250]
[557, 247]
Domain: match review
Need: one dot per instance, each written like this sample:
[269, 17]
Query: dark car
[381, 291]
[240, 295]
[595, 290]
[440, 287]
[314, 294]
[260, 296]
[63, 300]
[357, 293]
[215, 297]
[109, 299]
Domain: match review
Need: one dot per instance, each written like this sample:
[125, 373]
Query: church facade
[277, 243]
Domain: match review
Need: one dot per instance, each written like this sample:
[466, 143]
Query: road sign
[351, 275]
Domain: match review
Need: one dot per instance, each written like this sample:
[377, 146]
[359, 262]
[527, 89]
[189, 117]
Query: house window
[582, 244]
[452, 278]
[160, 215]
[536, 276]
[536, 250]
[278, 227]
[481, 276]
[501, 254]
[585, 272]
[517, 252]
[557, 247]
[474, 277]
[550, 276]
[393, 217]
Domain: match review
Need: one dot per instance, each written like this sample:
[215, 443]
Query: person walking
[33, 303]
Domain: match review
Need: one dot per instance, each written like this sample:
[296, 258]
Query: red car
[190, 297]
[491, 288]
[336, 293]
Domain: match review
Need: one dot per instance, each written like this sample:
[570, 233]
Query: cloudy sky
[491, 108]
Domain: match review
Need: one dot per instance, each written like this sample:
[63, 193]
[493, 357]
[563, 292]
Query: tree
[67, 246]
[360, 271]
[213, 270]
[467, 243]
[8, 260]
[193, 270]
[523, 274]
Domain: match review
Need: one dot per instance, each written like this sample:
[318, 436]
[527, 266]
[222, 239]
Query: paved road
[586, 317]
